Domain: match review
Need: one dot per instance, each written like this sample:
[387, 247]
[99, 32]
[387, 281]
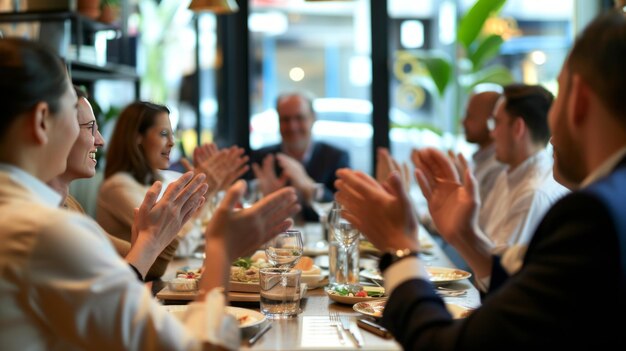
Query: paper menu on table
[317, 332]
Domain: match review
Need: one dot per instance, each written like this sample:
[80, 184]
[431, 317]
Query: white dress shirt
[518, 201]
[486, 170]
[64, 287]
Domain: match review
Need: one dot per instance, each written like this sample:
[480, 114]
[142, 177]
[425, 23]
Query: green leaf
[473, 21]
[493, 74]
[486, 49]
[440, 70]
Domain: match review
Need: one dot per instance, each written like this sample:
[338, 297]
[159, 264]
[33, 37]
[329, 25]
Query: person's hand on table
[383, 213]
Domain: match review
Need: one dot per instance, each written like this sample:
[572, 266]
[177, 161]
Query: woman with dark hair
[138, 155]
[62, 285]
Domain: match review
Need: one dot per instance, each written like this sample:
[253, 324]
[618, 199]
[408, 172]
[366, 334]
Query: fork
[334, 320]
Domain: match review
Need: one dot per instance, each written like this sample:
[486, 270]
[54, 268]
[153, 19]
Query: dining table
[314, 327]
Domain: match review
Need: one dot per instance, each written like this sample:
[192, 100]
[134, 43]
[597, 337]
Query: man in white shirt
[526, 189]
[552, 300]
[484, 165]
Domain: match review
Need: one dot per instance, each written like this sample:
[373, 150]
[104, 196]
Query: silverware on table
[352, 331]
[334, 320]
[259, 333]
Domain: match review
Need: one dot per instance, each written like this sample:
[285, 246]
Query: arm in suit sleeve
[553, 301]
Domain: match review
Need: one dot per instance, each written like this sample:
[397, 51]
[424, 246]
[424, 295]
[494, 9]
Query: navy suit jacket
[570, 288]
[325, 160]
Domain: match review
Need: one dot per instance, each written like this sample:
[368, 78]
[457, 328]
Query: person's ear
[40, 120]
[579, 101]
[519, 127]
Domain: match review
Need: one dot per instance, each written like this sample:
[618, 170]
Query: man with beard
[554, 299]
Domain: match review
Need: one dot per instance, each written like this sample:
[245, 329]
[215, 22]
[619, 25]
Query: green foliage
[440, 70]
[473, 21]
[475, 52]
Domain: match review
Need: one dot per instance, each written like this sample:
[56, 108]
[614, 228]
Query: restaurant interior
[394, 74]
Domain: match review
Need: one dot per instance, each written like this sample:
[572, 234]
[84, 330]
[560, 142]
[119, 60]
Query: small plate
[442, 275]
[245, 317]
[437, 275]
[314, 281]
[375, 309]
[373, 274]
[351, 300]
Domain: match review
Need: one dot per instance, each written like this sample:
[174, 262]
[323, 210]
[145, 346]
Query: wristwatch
[391, 257]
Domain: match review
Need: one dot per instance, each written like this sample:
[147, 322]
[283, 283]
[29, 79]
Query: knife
[352, 331]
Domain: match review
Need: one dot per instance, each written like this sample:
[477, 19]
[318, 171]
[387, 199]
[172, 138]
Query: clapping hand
[386, 164]
[383, 212]
[156, 223]
[268, 181]
[453, 205]
[242, 231]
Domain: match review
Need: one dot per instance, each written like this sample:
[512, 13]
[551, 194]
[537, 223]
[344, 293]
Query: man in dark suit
[298, 161]
[570, 291]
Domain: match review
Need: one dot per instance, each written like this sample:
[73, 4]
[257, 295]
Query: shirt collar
[307, 154]
[531, 163]
[484, 154]
[605, 168]
[39, 190]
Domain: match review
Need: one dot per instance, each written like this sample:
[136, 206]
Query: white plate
[351, 300]
[245, 317]
[375, 309]
[437, 275]
[313, 281]
[441, 275]
[372, 273]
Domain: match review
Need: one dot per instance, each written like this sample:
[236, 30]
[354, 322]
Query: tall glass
[285, 249]
[347, 239]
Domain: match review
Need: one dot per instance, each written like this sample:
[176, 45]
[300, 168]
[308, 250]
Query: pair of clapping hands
[157, 222]
[384, 212]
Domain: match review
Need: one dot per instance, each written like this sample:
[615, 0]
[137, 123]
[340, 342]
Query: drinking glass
[320, 205]
[285, 249]
[347, 238]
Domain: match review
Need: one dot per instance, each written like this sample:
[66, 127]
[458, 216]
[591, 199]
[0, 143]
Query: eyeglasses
[92, 125]
[491, 123]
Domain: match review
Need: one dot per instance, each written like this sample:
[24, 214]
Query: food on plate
[246, 269]
[371, 308]
[356, 291]
[304, 264]
[183, 284]
[189, 273]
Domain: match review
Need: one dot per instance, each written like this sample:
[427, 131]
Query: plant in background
[160, 38]
[475, 51]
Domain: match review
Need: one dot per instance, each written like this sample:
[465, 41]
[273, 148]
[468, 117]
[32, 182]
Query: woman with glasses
[62, 285]
[81, 163]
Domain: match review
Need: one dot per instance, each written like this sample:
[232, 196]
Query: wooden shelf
[82, 71]
[55, 16]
